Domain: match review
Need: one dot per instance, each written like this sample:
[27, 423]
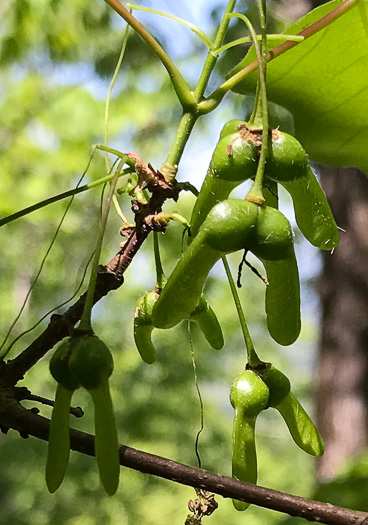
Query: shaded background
[56, 61]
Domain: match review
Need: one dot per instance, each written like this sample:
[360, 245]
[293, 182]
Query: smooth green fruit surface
[301, 427]
[249, 396]
[207, 321]
[91, 362]
[234, 225]
[231, 127]
[287, 159]
[58, 450]
[278, 385]
[59, 365]
[312, 212]
[274, 240]
[106, 438]
[234, 160]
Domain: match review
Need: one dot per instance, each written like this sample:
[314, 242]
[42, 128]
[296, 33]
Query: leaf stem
[213, 100]
[246, 39]
[180, 85]
[252, 356]
[85, 323]
[107, 106]
[212, 57]
[61, 196]
[194, 28]
[185, 127]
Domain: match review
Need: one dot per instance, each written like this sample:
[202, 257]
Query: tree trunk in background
[342, 376]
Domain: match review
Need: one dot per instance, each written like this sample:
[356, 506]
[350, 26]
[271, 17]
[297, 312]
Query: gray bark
[342, 375]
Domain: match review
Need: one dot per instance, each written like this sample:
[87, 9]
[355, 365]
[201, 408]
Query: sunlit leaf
[324, 83]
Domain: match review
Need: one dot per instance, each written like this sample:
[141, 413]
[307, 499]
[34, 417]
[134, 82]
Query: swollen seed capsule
[287, 159]
[92, 364]
[59, 365]
[249, 396]
[91, 361]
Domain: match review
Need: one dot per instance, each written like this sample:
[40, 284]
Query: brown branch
[110, 277]
[13, 415]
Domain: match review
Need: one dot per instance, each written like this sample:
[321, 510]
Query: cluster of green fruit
[83, 361]
[220, 225]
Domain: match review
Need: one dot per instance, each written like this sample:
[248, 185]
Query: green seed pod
[230, 226]
[287, 159]
[231, 127]
[274, 239]
[106, 438]
[58, 450]
[234, 160]
[301, 427]
[207, 321]
[249, 396]
[59, 440]
[203, 315]
[278, 385]
[283, 300]
[59, 365]
[91, 362]
[312, 211]
[143, 327]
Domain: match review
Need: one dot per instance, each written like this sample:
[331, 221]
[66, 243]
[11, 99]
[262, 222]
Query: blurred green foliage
[55, 61]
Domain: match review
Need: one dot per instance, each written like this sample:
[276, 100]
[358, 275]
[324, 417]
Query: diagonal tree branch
[26, 422]
[110, 277]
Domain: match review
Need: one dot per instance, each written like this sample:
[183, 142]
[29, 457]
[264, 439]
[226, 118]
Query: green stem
[61, 196]
[212, 57]
[107, 106]
[180, 85]
[252, 356]
[160, 276]
[189, 118]
[246, 39]
[194, 28]
[185, 127]
[108, 96]
[215, 98]
[85, 323]
[255, 194]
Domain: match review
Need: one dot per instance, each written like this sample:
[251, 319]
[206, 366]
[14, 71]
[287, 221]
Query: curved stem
[192, 27]
[108, 96]
[208, 105]
[61, 196]
[180, 85]
[85, 323]
[246, 39]
[252, 356]
[107, 106]
[212, 57]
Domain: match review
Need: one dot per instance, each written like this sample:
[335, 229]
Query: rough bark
[342, 370]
